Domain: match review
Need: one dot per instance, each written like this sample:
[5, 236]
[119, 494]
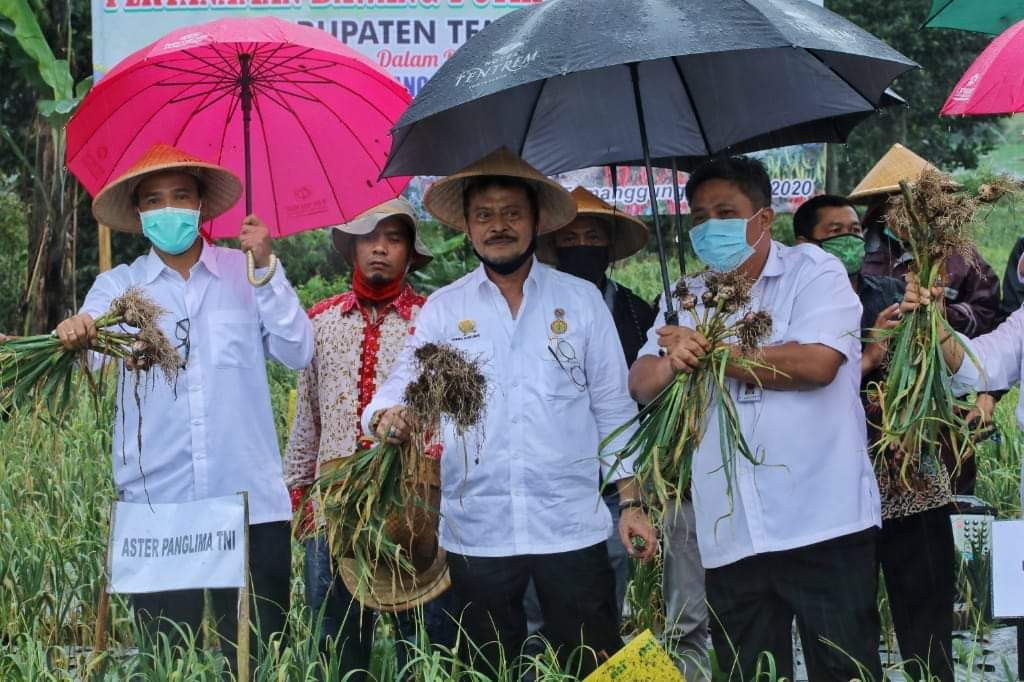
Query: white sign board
[1008, 569]
[191, 545]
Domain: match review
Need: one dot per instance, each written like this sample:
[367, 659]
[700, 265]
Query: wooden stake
[104, 247]
[103, 605]
[242, 649]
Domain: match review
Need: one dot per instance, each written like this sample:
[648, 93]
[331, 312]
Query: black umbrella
[834, 129]
[576, 83]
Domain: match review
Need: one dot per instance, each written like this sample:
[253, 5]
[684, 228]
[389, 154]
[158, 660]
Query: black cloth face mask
[511, 266]
[585, 262]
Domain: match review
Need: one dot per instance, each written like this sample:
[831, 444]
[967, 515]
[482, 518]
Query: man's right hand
[684, 347]
[390, 425]
[916, 296]
[78, 332]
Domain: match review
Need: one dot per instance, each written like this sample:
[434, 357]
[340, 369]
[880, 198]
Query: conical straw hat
[444, 198]
[899, 163]
[115, 207]
[626, 234]
[415, 530]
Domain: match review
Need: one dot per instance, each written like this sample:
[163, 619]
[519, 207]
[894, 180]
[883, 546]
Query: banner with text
[191, 545]
[411, 39]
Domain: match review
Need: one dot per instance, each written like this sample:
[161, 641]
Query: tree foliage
[944, 55]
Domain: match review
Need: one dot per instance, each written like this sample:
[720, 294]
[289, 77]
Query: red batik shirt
[352, 356]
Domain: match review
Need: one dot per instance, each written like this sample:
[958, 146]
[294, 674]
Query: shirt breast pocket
[236, 342]
[563, 373]
[780, 326]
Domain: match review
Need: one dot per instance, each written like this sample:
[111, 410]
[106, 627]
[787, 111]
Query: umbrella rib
[232, 66]
[270, 166]
[264, 59]
[302, 126]
[126, 102]
[396, 148]
[941, 10]
[842, 78]
[214, 71]
[693, 105]
[228, 69]
[232, 108]
[223, 89]
[533, 112]
[202, 107]
[331, 111]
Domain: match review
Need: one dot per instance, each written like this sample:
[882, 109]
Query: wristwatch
[633, 504]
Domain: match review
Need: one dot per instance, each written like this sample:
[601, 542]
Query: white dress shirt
[816, 481]
[1000, 364]
[527, 482]
[212, 433]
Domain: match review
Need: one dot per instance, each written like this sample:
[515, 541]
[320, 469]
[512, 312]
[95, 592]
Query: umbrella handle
[251, 270]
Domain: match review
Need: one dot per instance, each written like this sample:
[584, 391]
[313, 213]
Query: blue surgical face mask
[721, 243]
[171, 230]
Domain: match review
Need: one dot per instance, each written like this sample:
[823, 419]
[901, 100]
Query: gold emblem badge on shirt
[559, 325]
[467, 326]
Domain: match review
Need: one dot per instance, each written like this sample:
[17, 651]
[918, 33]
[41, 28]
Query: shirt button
[194, 388]
[515, 419]
[197, 422]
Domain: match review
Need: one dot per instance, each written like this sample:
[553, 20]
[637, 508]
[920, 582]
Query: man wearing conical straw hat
[211, 433]
[971, 286]
[521, 491]
[358, 335]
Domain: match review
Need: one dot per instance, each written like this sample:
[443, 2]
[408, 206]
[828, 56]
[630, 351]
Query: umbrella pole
[680, 244]
[671, 316]
[245, 81]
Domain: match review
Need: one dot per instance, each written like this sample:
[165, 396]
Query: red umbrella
[994, 83]
[302, 118]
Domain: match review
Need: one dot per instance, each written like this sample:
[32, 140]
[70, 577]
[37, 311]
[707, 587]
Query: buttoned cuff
[278, 284]
[613, 470]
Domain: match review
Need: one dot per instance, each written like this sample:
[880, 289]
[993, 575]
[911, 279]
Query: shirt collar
[155, 265]
[774, 266]
[209, 258]
[402, 304]
[533, 279]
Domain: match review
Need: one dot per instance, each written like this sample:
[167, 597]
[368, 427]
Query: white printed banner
[191, 545]
[411, 39]
[1008, 569]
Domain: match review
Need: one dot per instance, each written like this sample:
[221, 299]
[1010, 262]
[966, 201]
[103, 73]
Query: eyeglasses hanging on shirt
[181, 335]
[565, 356]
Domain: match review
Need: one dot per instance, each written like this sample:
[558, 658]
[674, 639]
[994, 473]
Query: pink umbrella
[994, 83]
[321, 116]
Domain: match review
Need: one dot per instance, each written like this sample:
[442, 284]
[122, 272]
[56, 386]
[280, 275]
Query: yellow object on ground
[642, 660]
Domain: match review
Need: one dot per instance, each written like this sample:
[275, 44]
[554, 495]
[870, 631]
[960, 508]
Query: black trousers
[575, 592]
[830, 589]
[918, 564]
[270, 573]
